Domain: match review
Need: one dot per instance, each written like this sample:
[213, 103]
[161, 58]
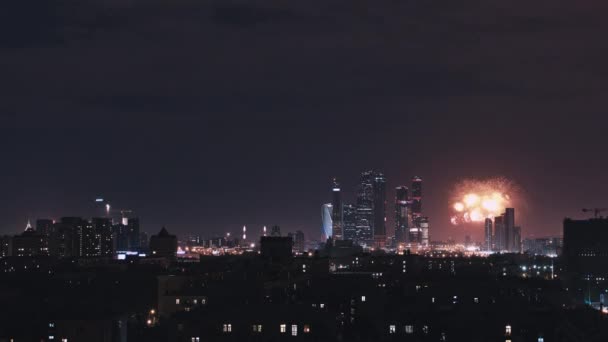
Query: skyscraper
[509, 223]
[326, 221]
[401, 214]
[379, 188]
[424, 231]
[337, 213]
[416, 198]
[488, 235]
[299, 242]
[499, 234]
[365, 208]
[349, 222]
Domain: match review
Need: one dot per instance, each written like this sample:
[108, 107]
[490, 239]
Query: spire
[28, 227]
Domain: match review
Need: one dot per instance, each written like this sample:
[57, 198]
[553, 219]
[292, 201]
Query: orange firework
[476, 200]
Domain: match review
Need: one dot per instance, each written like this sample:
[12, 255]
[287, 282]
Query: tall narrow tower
[401, 214]
[416, 207]
[337, 212]
[379, 188]
[487, 246]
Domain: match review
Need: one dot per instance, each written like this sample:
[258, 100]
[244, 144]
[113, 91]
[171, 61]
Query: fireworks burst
[476, 200]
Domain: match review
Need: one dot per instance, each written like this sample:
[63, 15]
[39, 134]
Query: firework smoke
[476, 200]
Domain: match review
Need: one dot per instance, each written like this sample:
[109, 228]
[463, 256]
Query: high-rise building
[365, 208]
[585, 250]
[350, 222]
[299, 242]
[517, 248]
[379, 188]
[337, 212]
[326, 221]
[416, 198]
[509, 222]
[401, 214]
[97, 238]
[275, 231]
[44, 226]
[487, 246]
[65, 240]
[499, 234]
[424, 231]
[30, 243]
[163, 244]
[133, 234]
[6, 246]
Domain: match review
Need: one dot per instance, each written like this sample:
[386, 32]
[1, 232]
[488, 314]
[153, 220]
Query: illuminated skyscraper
[337, 213]
[488, 235]
[424, 230]
[365, 208]
[326, 221]
[416, 199]
[350, 222]
[379, 188]
[499, 233]
[509, 223]
[401, 214]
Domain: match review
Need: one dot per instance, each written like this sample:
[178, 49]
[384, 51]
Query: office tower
[424, 231]
[379, 189]
[6, 246]
[326, 221]
[97, 238]
[44, 226]
[133, 234]
[337, 212]
[416, 199]
[144, 241]
[163, 244]
[509, 227]
[517, 239]
[401, 214]
[29, 243]
[349, 222]
[365, 208]
[488, 235]
[298, 242]
[121, 238]
[585, 250]
[499, 234]
[65, 237]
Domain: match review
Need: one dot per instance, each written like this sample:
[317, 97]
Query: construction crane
[596, 211]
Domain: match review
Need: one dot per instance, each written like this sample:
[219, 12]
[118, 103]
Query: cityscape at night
[264, 170]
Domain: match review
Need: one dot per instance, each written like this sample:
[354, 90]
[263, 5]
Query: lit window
[392, 329]
[196, 301]
[306, 328]
[363, 298]
[476, 300]
[409, 329]
[294, 330]
[283, 328]
[425, 329]
[257, 328]
[51, 325]
[51, 337]
[322, 306]
[227, 328]
[64, 340]
[540, 339]
[195, 339]
[508, 330]
[177, 301]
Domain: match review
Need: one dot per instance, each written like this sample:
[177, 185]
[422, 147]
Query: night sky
[207, 115]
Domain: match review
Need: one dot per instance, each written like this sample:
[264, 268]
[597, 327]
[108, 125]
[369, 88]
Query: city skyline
[186, 131]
